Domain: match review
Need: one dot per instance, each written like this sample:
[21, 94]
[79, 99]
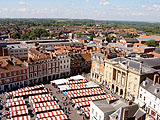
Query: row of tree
[36, 33]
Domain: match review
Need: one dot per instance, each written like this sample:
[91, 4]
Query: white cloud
[137, 14]
[153, 7]
[4, 9]
[22, 9]
[22, 3]
[87, 0]
[104, 2]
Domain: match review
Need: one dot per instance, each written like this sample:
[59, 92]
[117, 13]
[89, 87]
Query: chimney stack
[125, 114]
[154, 80]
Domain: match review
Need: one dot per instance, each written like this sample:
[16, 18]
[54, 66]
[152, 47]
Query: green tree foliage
[16, 35]
[53, 35]
[151, 43]
[130, 35]
[91, 37]
[38, 32]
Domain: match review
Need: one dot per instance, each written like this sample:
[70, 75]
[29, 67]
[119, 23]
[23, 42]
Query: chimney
[125, 114]
[129, 102]
[154, 80]
[15, 63]
[5, 52]
[1, 51]
[51, 55]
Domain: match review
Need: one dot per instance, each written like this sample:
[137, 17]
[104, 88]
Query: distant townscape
[66, 69]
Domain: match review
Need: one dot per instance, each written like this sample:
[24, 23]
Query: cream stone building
[123, 76]
[97, 71]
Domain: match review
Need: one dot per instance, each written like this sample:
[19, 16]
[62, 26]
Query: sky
[127, 10]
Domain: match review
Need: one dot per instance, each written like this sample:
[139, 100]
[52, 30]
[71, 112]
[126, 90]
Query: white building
[18, 51]
[64, 64]
[149, 94]
[100, 110]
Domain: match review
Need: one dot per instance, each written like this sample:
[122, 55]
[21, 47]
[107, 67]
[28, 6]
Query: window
[14, 73]
[35, 74]
[140, 95]
[24, 77]
[4, 74]
[135, 78]
[39, 67]
[150, 103]
[144, 98]
[154, 106]
[61, 67]
[19, 78]
[31, 68]
[96, 114]
[31, 75]
[35, 68]
[92, 110]
[15, 79]
[100, 117]
[24, 71]
[50, 65]
[64, 66]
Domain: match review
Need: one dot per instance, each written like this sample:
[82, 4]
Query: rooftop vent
[145, 83]
[157, 90]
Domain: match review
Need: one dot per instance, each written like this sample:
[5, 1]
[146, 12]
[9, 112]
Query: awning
[60, 117]
[41, 109]
[18, 113]
[91, 98]
[50, 114]
[17, 108]
[30, 93]
[59, 81]
[25, 89]
[44, 104]
[14, 99]
[21, 118]
[77, 77]
[12, 104]
[42, 99]
[83, 91]
[39, 96]
[82, 104]
[85, 109]
[86, 94]
[77, 81]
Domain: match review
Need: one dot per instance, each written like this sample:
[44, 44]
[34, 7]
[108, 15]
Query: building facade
[13, 73]
[98, 65]
[123, 76]
[149, 94]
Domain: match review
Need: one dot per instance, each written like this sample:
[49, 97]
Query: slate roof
[157, 50]
[134, 64]
[133, 111]
[131, 40]
[147, 39]
[151, 62]
[150, 87]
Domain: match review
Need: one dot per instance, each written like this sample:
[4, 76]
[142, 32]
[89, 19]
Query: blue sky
[132, 10]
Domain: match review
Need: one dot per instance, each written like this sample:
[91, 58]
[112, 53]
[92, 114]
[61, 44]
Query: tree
[32, 36]
[53, 35]
[24, 36]
[151, 43]
[16, 35]
[91, 37]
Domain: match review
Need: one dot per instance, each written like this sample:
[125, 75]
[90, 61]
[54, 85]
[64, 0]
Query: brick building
[13, 73]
